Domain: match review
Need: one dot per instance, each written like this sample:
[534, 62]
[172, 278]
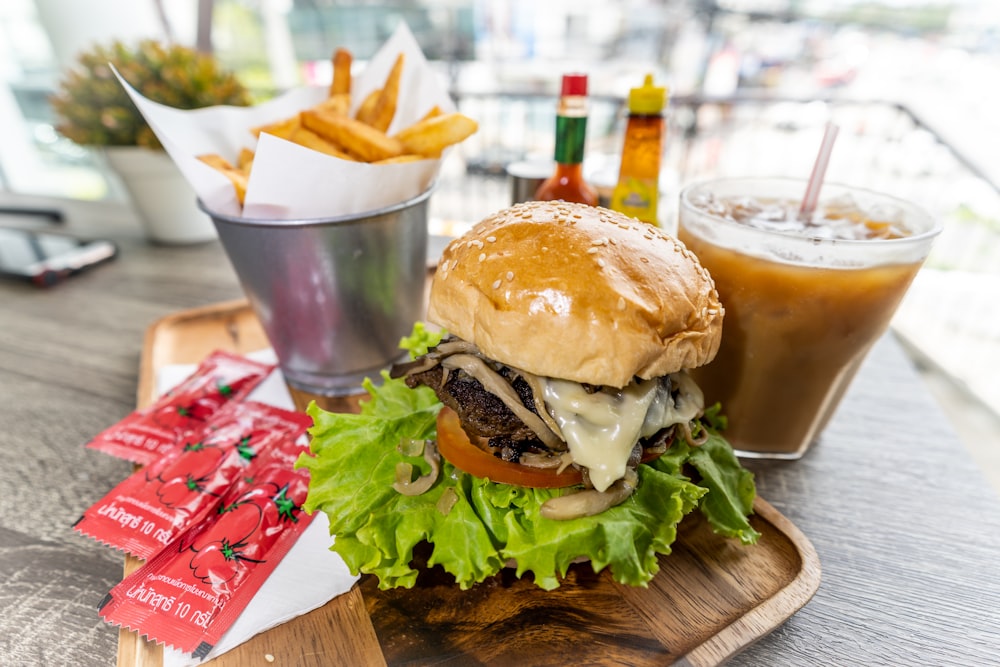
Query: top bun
[577, 292]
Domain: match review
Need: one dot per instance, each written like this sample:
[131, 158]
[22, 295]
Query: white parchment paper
[289, 182]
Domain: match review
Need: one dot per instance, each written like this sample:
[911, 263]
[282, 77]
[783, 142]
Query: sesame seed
[477, 243]
[644, 260]
[621, 303]
[491, 239]
[600, 262]
[482, 257]
[592, 250]
[510, 276]
[496, 284]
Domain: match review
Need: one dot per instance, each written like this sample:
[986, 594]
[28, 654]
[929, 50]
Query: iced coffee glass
[804, 299]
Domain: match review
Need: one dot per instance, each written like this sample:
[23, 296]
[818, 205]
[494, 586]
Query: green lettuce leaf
[352, 463]
[420, 340]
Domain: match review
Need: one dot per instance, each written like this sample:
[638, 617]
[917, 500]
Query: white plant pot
[162, 197]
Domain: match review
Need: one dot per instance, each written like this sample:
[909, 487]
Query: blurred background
[913, 84]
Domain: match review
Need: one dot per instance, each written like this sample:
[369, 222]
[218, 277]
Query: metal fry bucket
[333, 295]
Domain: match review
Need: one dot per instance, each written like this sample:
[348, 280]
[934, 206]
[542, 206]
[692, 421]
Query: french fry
[385, 104]
[217, 161]
[409, 157]
[341, 83]
[309, 139]
[235, 176]
[339, 103]
[329, 128]
[245, 160]
[282, 128]
[366, 111]
[433, 111]
[288, 127]
[358, 139]
[432, 135]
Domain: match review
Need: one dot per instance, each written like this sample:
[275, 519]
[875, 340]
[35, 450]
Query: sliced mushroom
[553, 460]
[538, 394]
[590, 501]
[494, 383]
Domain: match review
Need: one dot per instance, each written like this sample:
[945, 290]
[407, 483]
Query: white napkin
[308, 577]
[282, 171]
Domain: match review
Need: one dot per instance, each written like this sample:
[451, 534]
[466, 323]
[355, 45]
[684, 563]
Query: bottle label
[571, 133]
[638, 198]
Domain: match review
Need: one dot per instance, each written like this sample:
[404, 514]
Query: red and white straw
[811, 197]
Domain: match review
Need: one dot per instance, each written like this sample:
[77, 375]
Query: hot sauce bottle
[567, 182]
[637, 191]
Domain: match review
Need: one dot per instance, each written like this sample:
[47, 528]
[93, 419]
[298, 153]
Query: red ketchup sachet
[192, 591]
[148, 433]
[150, 508]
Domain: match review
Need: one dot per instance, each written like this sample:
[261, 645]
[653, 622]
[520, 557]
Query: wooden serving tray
[711, 598]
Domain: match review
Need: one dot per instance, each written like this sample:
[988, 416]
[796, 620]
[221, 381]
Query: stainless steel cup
[525, 178]
[334, 295]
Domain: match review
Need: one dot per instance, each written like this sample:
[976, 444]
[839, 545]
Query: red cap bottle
[574, 84]
[567, 183]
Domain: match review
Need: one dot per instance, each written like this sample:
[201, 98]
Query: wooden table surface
[906, 527]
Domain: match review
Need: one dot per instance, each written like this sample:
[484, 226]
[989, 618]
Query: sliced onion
[411, 446]
[407, 486]
[447, 501]
[689, 436]
[404, 475]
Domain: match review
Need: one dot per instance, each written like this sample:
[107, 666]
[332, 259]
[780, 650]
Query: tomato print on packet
[149, 433]
[191, 592]
[154, 505]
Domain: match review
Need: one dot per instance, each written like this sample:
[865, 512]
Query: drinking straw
[811, 197]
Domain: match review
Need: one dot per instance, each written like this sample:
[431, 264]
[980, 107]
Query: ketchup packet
[191, 592]
[148, 433]
[150, 508]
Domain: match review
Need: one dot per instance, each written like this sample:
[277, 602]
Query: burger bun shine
[579, 293]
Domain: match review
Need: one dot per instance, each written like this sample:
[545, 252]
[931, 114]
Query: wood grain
[906, 524]
[711, 598]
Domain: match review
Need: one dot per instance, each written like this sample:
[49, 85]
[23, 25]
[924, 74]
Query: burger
[550, 420]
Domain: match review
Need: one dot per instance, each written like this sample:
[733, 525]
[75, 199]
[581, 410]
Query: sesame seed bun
[577, 292]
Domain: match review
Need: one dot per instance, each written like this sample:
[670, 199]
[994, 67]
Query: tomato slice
[456, 447]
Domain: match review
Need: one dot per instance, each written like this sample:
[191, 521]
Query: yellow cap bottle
[637, 191]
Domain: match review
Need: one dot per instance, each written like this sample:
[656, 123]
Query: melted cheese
[602, 428]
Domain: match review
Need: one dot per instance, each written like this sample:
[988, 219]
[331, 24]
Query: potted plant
[93, 109]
